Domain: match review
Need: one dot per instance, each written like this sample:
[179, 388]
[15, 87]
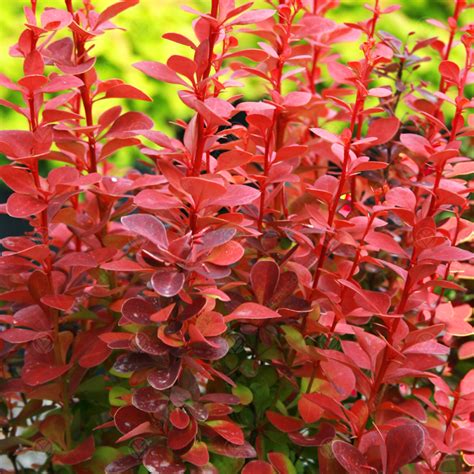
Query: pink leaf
[129, 124]
[160, 72]
[167, 283]
[126, 91]
[147, 226]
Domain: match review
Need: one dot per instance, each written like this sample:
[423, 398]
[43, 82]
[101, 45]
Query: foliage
[280, 289]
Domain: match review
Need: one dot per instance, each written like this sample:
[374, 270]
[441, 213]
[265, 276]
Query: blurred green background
[147, 22]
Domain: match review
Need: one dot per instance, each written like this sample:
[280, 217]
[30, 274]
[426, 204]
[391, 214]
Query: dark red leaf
[161, 460]
[137, 310]
[404, 443]
[167, 283]
[162, 379]
[149, 400]
[350, 458]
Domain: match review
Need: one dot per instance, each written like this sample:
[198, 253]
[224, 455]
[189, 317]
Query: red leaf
[180, 439]
[251, 311]
[54, 19]
[18, 179]
[33, 63]
[180, 39]
[96, 353]
[309, 411]
[264, 277]
[203, 191]
[138, 310]
[325, 135]
[237, 195]
[182, 65]
[287, 424]
[350, 458]
[341, 376]
[116, 144]
[253, 16]
[233, 159]
[162, 379]
[227, 254]
[281, 463]
[383, 129]
[114, 10]
[129, 124]
[380, 92]
[123, 464]
[79, 454]
[20, 336]
[22, 205]
[228, 430]
[39, 373]
[122, 265]
[60, 83]
[446, 254]
[54, 429]
[127, 418]
[61, 302]
[246, 450]
[450, 71]
[329, 404]
[385, 242]
[323, 436]
[197, 455]
[416, 143]
[179, 418]
[155, 200]
[211, 323]
[149, 400]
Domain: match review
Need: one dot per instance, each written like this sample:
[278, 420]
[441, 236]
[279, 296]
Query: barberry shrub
[279, 290]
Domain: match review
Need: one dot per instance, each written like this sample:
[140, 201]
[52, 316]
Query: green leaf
[294, 338]
[116, 394]
[84, 314]
[244, 393]
[225, 464]
[262, 399]
[93, 385]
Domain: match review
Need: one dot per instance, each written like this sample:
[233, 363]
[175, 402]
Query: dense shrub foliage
[278, 290]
